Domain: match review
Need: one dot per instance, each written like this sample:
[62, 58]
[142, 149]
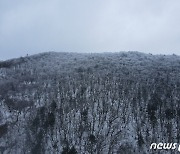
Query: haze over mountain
[89, 103]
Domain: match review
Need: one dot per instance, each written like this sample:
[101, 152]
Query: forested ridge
[72, 103]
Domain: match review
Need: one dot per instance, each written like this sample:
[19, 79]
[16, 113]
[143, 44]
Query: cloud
[89, 26]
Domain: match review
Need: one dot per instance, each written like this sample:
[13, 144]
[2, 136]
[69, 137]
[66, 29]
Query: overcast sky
[34, 26]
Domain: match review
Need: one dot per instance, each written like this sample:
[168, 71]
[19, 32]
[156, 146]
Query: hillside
[89, 103]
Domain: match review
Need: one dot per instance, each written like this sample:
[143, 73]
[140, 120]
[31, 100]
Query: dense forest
[72, 103]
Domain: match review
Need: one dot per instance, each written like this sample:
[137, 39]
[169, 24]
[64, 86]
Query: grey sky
[89, 26]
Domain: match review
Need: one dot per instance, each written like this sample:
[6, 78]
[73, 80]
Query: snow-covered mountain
[110, 103]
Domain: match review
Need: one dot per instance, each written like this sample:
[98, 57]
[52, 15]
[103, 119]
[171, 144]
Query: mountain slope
[89, 103]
